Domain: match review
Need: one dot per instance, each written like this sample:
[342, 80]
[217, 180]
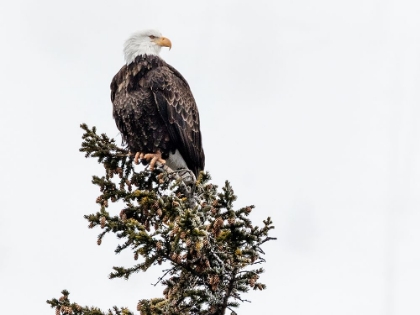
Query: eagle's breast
[135, 111]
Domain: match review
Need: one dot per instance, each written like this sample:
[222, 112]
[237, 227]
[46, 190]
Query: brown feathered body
[154, 109]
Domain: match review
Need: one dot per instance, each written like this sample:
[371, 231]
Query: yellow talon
[152, 158]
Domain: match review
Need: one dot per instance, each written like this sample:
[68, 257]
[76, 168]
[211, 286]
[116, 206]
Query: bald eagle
[154, 108]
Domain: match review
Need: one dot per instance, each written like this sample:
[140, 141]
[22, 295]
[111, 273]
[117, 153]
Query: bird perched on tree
[154, 108]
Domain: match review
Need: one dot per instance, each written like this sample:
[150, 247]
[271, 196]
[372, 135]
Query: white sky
[309, 108]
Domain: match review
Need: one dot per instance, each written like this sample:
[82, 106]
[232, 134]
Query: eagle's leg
[152, 158]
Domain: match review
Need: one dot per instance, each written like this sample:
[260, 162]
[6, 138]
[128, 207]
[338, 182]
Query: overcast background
[309, 108]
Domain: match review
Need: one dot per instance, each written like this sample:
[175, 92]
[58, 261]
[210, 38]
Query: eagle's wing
[179, 111]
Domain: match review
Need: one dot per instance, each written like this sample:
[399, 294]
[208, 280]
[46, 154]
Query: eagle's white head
[147, 42]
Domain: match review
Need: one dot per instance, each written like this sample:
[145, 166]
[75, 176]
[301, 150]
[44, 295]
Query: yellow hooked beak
[164, 42]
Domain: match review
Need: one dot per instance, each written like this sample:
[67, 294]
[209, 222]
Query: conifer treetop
[213, 250]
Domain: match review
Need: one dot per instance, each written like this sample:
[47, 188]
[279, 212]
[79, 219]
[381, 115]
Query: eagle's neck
[136, 46]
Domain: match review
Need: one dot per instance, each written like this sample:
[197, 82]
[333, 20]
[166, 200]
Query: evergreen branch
[63, 306]
[162, 277]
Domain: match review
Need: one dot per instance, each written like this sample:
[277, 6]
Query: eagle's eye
[152, 37]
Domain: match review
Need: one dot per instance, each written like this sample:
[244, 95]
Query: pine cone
[102, 220]
[218, 223]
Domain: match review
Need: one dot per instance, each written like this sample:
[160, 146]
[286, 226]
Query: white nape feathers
[141, 43]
